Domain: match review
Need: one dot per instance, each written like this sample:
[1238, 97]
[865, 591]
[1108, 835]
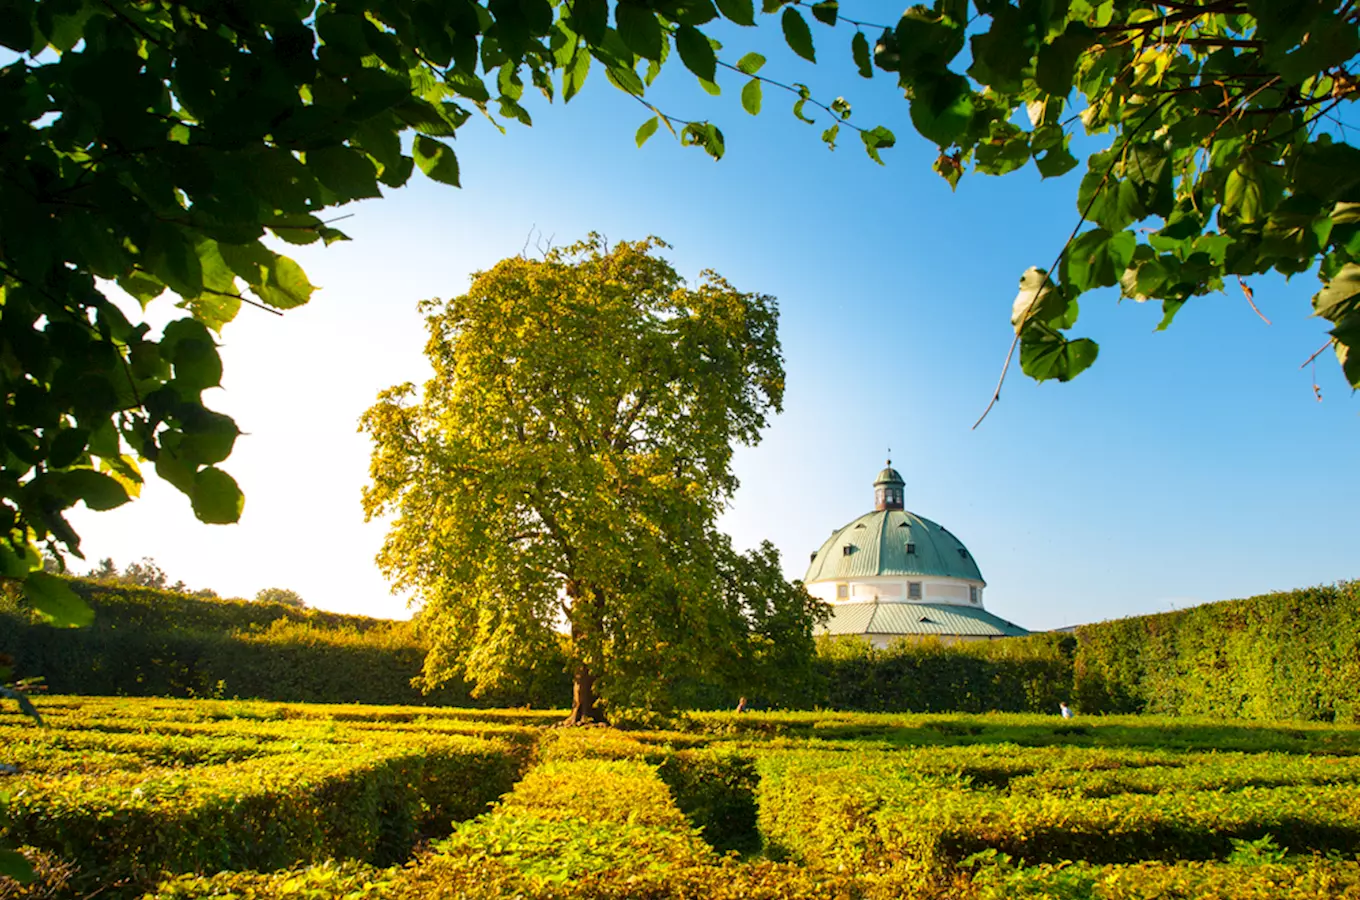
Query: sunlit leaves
[750, 64]
[436, 159]
[647, 129]
[56, 602]
[751, 96]
[216, 497]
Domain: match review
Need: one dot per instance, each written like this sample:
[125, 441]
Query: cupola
[888, 488]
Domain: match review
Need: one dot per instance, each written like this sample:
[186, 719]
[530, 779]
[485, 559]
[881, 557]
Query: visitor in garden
[1065, 709]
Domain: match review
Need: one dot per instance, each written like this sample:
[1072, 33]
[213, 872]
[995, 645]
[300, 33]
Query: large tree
[155, 144]
[565, 465]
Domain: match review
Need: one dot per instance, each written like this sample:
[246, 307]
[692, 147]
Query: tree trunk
[582, 698]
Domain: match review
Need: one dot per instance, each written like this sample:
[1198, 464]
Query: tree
[155, 144]
[566, 464]
[281, 595]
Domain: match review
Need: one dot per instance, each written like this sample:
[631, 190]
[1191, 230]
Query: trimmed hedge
[1292, 655]
[1027, 674]
[153, 643]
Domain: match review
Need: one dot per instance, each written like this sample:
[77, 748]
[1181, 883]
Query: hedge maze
[195, 799]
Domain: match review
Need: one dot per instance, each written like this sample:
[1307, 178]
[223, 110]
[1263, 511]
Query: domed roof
[889, 476]
[877, 543]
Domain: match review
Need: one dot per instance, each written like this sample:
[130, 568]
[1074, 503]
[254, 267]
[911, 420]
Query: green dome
[877, 543]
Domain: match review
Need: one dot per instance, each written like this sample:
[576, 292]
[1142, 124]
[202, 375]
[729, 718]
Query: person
[1066, 710]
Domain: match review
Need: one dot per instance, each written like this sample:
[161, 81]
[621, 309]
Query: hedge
[148, 642]
[1292, 655]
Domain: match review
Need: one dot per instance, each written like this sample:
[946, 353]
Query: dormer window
[911, 549]
[847, 550]
[963, 554]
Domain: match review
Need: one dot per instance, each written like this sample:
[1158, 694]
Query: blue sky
[1186, 466]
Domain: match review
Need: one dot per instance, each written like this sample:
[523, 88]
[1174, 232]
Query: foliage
[147, 642]
[156, 145]
[875, 806]
[1028, 674]
[1292, 655]
[282, 596]
[235, 792]
[568, 460]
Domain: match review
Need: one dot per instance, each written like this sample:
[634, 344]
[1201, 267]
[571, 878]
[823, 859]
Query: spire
[888, 489]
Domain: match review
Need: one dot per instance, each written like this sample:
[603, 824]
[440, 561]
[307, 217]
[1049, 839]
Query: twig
[1318, 352]
[1249, 293]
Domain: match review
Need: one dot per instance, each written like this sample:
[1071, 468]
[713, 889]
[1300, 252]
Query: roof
[918, 619]
[889, 476]
[878, 546]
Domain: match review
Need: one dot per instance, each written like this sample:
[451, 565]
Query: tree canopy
[565, 466]
[155, 145]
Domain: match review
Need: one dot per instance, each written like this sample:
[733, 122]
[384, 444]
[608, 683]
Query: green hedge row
[1292, 655]
[152, 643]
[346, 800]
[1028, 674]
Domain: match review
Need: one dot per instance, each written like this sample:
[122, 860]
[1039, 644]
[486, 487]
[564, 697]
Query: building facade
[891, 575]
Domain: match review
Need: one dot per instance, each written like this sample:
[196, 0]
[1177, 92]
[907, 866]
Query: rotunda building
[891, 575]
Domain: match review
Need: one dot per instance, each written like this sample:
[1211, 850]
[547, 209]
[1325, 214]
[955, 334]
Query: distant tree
[144, 574]
[280, 595]
[106, 570]
[567, 463]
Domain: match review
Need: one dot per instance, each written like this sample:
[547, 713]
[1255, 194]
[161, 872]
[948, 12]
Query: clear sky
[1186, 466]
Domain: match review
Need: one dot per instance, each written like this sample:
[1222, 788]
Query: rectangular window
[842, 591]
[913, 590]
[973, 593]
[847, 550]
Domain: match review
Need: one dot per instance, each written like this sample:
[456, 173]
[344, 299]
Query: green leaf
[173, 468]
[875, 138]
[1347, 335]
[1341, 296]
[208, 438]
[1045, 354]
[696, 52]
[825, 12]
[436, 159]
[859, 50]
[349, 173]
[195, 360]
[942, 109]
[16, 866]
[750, 97]
[53, 598]
[99, 491]
[216, 498]
[638, 27]
[590, 19]
[1097, 259]
[797, 34]
[743, 12]
[1057, 62]
[750, 63]
[647, 129]
[1243, 194]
